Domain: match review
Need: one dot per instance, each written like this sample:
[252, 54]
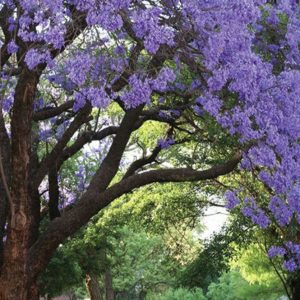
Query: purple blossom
[146, 26]
[39, 104]
[45, 134]
[165, 143]
[257, 215]
[139, 92]
[276, 251]
[12, 47]
[165, 76]
[120, 50]
[290, 265]
[232, 200]
[82, 62]
[34, 57]
[80, 100]
[281, 211]
[8, 103]
[12, 24]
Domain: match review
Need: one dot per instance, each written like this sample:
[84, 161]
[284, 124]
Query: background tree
[142, 240]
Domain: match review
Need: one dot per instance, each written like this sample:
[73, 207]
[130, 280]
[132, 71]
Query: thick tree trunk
[16, 282]
[18, 289]
[15, 278]
[93, 287]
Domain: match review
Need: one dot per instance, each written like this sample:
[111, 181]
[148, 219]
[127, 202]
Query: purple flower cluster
[257, 215]
[276, 251]
[166, 76]
[104, 13]
[12, 47]
[8, 102]
[140, 89]
[138, 93]
[79, 67]
[147, 26]
[291, 254]
[232, 200]
[165, 143]
[267, 105]
[35, 57]
[96, 96]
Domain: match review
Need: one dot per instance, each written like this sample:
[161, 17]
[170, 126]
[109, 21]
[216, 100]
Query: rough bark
[93, 287]
[3, 201]
[14, 279]
[4, 180]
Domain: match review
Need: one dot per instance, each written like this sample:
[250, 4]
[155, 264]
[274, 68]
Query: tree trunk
[18, 289]
[16, 281]
[109, 291]
[93, 287]
[142, 295]
[295, 288]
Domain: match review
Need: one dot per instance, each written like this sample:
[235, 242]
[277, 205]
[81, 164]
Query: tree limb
[47, 162]
[95, 199]
[48, 113]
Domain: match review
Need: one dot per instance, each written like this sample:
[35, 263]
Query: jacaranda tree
[181, 63]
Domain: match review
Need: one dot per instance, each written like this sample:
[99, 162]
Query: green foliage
[216, 255]
[232, 286]
[62, 274]
[148, 133]
[140, 261]
[254, 265]
[179, 294]
[153, 207]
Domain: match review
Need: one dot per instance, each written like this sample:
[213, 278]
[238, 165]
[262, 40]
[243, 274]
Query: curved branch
[81, 118]
[94, 200]
[136, 165]
[47, 113]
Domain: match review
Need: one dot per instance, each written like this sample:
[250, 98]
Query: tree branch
[136, 165]
[95, 199]
[83, 139]
[53, 193]
[48, 113]
[81, 118]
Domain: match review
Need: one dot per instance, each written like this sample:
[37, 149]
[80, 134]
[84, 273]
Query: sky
[214, 219]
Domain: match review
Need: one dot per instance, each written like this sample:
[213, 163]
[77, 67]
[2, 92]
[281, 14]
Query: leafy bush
[179, 294]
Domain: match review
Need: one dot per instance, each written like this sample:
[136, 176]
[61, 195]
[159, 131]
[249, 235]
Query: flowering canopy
[244, 62]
